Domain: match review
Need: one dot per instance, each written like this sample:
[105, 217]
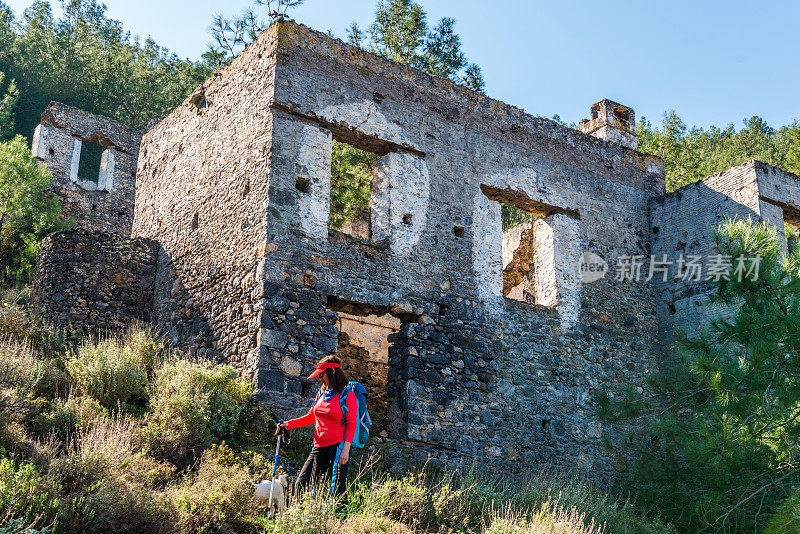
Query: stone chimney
[612, 122]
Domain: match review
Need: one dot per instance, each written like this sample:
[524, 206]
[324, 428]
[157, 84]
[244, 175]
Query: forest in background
[691, 154]
[88, 60]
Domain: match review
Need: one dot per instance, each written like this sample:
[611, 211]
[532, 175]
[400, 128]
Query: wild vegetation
[88, 60]
[120, 434]
[28, 210]
[691, 154]
[718, 451]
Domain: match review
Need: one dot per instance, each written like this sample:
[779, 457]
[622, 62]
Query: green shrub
[120, 507]
[12, 438]
[65, 417]
[26, 497]
[60, 419]
[371, 524]
[31, 210]
[13, 320]
[320, 516]
[194, 405]
[786, 518]
[119, 488]
[109, 371]
[20, 377]
[216, 499]
[93, 455]
[258, 463]
[404, 500]
[29, 338]
[309, 515]
[551, 491]
[86, 411]
[150, 349]
[556, 521]
[468, 502]
[106, 501]
[17, 526]
[446, 501]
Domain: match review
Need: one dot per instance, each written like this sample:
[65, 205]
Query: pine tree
[351, 172]
[231, 36]
[86, 59]
[793, 155]
[8, 104]
[719, 447]
[692, 154]
[400, 33]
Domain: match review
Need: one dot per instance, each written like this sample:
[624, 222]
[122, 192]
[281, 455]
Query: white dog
[277, 487]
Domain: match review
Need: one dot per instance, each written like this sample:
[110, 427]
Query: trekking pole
[274, 471]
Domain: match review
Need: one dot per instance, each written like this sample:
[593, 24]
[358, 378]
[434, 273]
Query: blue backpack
[363, 419]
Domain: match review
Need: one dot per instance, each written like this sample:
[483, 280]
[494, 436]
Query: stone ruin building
[93, 162]
[475, 343]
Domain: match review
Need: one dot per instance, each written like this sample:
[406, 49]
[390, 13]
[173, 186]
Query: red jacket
[327, 418]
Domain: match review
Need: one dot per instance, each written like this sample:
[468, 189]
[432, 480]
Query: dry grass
[559, 522]
[457, 502]
[13, 319]
[218, 498]
[370, 524]
[77, 459]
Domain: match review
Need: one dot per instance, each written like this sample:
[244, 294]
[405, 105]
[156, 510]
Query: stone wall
[202, 193]
[95, 280]
[104, 201]
[520, 396]
[235, 185]
[235, 261]
[779, 195]
[682, 227]
[611, 121]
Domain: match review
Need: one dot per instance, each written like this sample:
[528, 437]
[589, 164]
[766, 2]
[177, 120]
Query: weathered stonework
[96, 280]
[103, 202]
[235, 185]
[478, 344]
[612, 122]
[682, 225]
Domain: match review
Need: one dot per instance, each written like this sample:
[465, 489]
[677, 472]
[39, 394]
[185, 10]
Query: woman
[332, 433]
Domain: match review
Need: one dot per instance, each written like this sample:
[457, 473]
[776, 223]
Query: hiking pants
[319, 467]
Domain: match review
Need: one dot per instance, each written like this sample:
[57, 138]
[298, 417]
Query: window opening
[351, 177]
[529, 262]
[89, 163]
[528, 248]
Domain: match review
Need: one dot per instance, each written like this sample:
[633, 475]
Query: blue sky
[715, 62]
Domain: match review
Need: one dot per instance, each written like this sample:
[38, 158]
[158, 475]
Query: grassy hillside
[123, 435]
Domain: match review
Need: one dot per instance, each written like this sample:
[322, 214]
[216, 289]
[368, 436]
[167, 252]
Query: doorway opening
[364, 349]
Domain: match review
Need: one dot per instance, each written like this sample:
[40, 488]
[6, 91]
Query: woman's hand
[283, 426]
[344, 456]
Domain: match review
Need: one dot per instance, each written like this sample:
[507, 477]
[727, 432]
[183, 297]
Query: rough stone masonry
[481, 345]
[93, 162]
[98, 280]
